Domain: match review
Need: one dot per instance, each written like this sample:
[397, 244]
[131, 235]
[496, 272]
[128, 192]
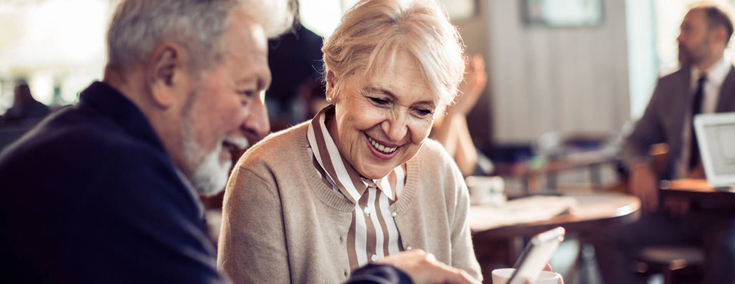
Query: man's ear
[166, 73]
[720, 33]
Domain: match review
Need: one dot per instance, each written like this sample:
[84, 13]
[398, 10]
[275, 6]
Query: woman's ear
[331, 81]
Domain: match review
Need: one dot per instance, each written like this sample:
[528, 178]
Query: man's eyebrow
[264, 83]
[261, 82]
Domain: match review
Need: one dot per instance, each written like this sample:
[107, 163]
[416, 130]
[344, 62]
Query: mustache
[241, 143]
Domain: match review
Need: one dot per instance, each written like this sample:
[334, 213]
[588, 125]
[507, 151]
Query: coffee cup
[502, 275]
[486, 190]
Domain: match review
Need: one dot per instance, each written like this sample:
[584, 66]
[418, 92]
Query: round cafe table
[592, 212]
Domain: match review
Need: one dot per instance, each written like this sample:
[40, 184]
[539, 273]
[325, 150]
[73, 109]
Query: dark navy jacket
[90, 195]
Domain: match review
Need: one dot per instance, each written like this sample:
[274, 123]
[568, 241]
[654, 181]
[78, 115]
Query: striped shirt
[373, 233]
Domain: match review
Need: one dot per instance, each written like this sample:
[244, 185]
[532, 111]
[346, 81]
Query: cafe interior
[555, 90]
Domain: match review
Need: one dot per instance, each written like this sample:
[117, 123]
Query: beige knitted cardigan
[282, 224]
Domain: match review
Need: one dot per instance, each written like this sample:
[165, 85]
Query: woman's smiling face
[381, 122]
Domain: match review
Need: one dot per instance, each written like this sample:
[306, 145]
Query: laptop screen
[716, 137]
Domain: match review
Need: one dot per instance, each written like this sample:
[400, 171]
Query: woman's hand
[423, 268]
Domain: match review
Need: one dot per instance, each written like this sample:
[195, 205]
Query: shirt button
[374, 257]
[345, 273]
[394, 214]
[408, 248]
[340, 239]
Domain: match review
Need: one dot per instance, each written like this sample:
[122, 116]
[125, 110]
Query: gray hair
[138, 26]
[374, 30]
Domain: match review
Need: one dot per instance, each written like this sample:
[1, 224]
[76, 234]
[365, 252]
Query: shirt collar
[716, 73]
[344, 176]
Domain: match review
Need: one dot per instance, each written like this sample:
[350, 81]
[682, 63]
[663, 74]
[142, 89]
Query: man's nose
[256, 125]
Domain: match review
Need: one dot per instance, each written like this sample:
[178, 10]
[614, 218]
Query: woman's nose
[395, 128]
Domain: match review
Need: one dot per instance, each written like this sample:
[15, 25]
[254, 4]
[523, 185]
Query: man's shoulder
[676, 74]
[73, 138]
[74, 151]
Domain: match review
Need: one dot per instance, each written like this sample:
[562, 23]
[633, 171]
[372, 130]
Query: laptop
[716, 138]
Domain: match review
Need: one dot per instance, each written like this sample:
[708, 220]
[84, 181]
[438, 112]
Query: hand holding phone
[535, 256]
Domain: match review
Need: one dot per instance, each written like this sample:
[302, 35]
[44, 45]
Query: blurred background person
[705, 83]
[295, 60]
[24, 105]
[450, 127]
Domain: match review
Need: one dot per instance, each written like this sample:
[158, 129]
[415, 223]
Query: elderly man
[107, 191]
[705, 83]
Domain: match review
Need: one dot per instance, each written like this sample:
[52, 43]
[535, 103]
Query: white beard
[209, 174]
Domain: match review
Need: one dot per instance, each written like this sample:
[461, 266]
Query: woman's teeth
[381, 148]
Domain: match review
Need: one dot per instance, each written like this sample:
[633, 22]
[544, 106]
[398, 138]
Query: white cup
[502, 275]
[486, 190]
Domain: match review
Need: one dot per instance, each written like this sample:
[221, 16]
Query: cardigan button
[394, 214]
[408, 248]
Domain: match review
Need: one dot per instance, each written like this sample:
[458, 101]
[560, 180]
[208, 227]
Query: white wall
[570, 80]
[643, 62]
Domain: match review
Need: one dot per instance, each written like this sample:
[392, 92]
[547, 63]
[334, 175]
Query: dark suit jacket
[663, 121]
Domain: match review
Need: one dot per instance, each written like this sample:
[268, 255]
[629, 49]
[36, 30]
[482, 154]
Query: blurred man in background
[24, 105]
[705, 83]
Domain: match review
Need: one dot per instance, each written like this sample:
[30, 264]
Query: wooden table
[700, 191]
[595, 210]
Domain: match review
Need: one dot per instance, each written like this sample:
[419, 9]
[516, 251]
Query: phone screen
[534, 257]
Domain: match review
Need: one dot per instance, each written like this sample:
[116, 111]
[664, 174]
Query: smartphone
[536, 255]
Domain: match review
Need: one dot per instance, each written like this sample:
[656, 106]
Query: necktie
[696, 109]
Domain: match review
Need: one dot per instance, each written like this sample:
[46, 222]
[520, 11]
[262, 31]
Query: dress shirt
[716, 75]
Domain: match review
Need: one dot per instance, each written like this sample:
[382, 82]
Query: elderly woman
[360, 181]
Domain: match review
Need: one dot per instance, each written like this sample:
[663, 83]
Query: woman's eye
[378, 101]
[423, 112]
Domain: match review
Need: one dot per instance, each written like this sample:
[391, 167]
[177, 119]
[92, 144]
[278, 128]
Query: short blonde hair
[374, 30]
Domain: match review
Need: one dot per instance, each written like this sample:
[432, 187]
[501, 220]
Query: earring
[329, 99]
